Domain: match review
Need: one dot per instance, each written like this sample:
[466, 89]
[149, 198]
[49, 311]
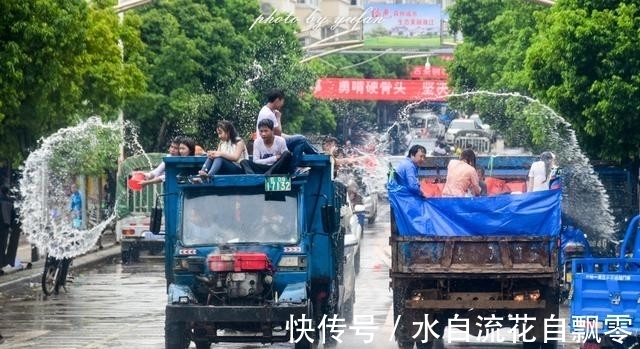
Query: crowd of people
[466, 179]
[274, 152]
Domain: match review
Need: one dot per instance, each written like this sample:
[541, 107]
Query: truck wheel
[356, 262]
[125, 256]
[347, 311]
[539, 345]
[175, 335]
[405, 344]
[427, 345]
[203, 345]
[303, 343]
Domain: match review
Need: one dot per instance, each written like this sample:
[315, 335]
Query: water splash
[585, 201]
[256, 73]
[47, 174]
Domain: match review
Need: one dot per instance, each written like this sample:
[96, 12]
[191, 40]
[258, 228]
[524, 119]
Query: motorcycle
[54, 275]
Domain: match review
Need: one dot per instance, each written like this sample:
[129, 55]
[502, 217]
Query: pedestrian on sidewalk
[8, 229]
[8, 205]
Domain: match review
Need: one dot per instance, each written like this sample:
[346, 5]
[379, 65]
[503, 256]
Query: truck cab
[250, 256]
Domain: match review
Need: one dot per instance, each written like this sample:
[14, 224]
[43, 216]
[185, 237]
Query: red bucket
[135, 182]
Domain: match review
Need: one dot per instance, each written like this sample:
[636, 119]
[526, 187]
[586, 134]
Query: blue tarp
[529, 214]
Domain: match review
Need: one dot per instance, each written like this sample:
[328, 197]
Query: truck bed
[459, 256]
[606, 288]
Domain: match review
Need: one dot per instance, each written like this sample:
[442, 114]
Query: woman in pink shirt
[462, 178]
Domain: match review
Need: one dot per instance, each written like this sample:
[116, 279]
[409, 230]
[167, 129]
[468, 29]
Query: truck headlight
[183, 300]
[293, 262]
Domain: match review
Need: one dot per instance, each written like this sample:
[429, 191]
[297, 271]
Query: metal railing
[478, 144]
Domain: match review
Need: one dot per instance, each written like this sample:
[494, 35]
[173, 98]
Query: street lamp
[120, 9]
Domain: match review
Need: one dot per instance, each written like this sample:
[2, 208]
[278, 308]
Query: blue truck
[254, 258]
[485, 263]
[605, 296]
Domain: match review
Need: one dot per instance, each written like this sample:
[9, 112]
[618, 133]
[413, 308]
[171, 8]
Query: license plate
[277, 183]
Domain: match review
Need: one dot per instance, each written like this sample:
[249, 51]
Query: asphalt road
[122, 307]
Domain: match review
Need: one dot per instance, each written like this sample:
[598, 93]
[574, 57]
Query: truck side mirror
[329, 219]
[156, 220]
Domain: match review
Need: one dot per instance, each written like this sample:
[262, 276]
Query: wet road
[122, 307]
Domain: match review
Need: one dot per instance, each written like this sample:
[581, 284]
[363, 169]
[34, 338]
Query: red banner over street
[381, 89]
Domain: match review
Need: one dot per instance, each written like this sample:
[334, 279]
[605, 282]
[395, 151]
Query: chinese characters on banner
[404, 25]
[435, 73]
[381, 89]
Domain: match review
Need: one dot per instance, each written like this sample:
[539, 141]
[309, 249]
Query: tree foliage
[59, 62]
[578, 56]
[585, 63]
[205, 64]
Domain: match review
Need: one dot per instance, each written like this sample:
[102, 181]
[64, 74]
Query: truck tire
[405, 344]
[356, 262]
[347, 311]
[539, 345]
[129, 254]
[175, 335]
[203, 345]
[427, 345]
[303, 343]
[125, 256]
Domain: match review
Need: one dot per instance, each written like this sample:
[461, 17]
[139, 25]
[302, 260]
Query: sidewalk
[28, 269]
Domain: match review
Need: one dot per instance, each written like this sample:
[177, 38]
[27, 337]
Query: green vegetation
[60, 61]
[579, 57]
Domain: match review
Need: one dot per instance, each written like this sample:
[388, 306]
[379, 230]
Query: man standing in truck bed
[406, 174]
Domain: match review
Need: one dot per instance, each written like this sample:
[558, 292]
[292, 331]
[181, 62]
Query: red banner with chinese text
[381, 89]
[435, 73]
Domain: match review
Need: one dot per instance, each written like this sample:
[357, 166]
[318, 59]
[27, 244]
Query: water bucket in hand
[135, 182]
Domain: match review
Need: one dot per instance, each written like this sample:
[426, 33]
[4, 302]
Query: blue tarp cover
[530, 214]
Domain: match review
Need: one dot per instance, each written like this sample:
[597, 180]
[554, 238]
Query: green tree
[497, 35]
[59, 62]
[584, 63]
[206, 63]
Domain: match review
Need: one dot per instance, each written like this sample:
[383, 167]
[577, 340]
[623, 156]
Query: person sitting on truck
[187, 147]
[270, 153]
[297, 144]
[462, 178]
[540, 172]
[406, 173]
[481, 181]
[157, 175]
[231, 150]
[339, 157]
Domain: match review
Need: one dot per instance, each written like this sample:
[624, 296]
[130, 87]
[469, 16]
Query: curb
[89, 259]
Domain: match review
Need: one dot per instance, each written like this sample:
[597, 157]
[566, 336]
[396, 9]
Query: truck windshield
[233, 218]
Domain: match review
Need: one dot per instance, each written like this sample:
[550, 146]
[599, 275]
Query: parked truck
[133, 210]
[484, 262]
[605, 296]
[254, 258]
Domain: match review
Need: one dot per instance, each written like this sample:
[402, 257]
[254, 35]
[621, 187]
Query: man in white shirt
[297, 144]
[270, 153]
